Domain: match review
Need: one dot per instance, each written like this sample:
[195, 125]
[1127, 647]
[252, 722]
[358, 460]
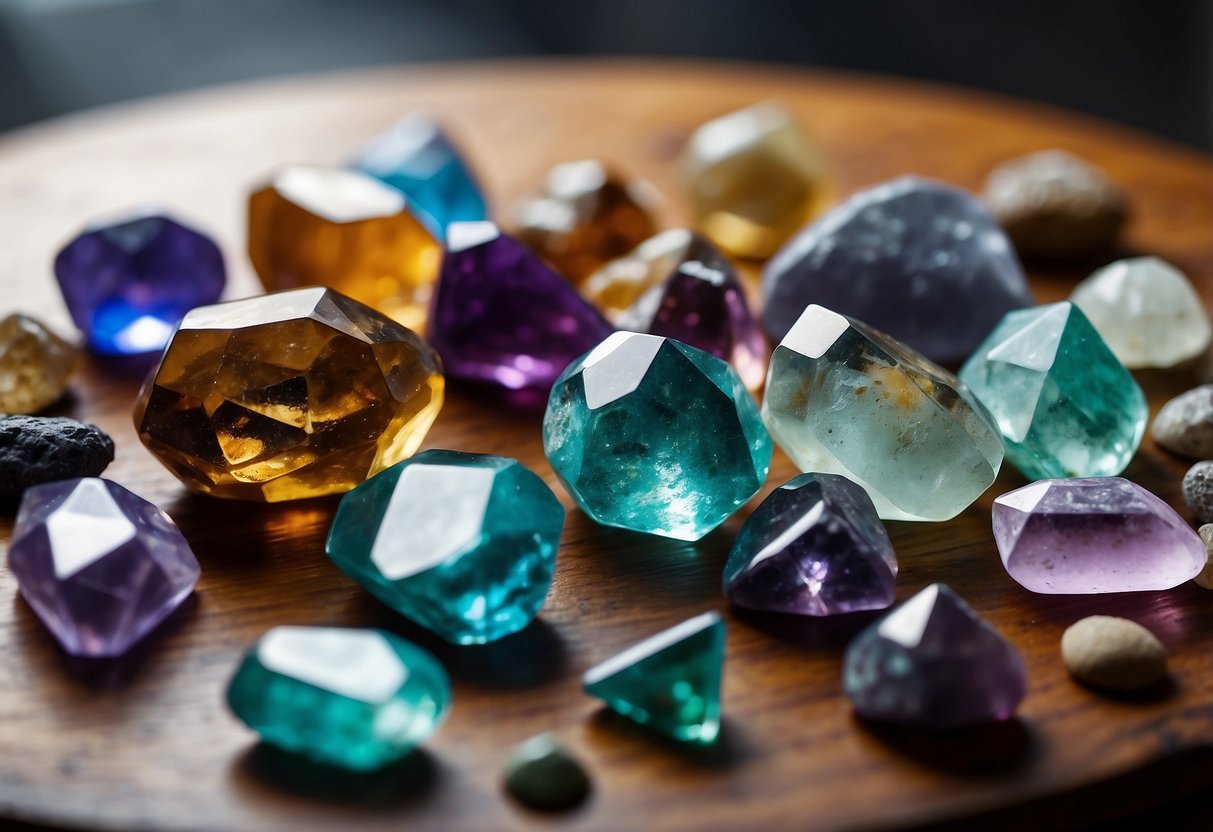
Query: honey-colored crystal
[620, 283]
[287, 396]
[585, 215]
[316, 226]
[35, 365]
[754, 178]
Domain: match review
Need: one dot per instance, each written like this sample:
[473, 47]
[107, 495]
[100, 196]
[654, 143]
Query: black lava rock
[38, 449]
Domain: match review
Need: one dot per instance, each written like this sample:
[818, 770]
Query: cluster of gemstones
[645, 354]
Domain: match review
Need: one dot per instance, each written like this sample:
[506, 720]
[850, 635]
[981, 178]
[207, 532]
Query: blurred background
[1147, 63]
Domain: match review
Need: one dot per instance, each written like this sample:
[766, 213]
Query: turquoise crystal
[652, 435]
[1065, 405]
[358, 699]
[463, 544]
[669, 683]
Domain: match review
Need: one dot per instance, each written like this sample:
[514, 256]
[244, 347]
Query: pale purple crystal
[1095, 534]
[99, 565]
[815, 546]
[933, 663]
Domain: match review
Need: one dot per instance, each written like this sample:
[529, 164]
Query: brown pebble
[1113, 653]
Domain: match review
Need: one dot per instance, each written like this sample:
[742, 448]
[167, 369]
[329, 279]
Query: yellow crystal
[286, 396]
[754, 179]
[316, 226]
[35, 365]
[621, 282]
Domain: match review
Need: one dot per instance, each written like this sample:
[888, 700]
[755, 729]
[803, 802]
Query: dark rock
[1198, 491]
[38, 449]
[541, 774]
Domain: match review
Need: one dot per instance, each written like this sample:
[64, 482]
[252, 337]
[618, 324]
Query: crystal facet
[463, 544]
[1065, 406]
[584, 215]
[669, 683]
[651, 435]
[502, 317]
[1099, 534]
[845, 399]
[315, 226]
[286, 396]
[919, 260]
[933, 663]
[127, 283]
[416, 157]
[99, 565]
[815, 546]
[754, 178]
[1146, 311]
[357, 699]
[621, 282]
[35, 365]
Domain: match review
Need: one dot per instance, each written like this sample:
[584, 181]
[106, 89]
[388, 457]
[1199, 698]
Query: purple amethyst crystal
[815, 546]
[99, 565]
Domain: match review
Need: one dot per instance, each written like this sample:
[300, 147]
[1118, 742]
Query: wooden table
[150, 745]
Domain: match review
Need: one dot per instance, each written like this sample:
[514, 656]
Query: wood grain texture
[148, 744]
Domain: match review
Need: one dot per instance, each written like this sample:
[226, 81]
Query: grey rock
[1198, 491]
[40, 449]
[541, 774]
[1184, 426]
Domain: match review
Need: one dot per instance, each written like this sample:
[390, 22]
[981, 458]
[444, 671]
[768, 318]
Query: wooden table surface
[148, 744]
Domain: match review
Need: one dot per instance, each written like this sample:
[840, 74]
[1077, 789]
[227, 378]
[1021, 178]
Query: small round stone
[40, 449]
[1184, 426]
[35, 365]
[542, 774]
[1113, 653]
[1205, 578]
[1198, 491]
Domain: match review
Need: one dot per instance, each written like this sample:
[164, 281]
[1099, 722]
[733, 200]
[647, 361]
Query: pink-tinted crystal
[99, 565]
[1094, 534]
[502, 317]
[815, 546]
[933, 663]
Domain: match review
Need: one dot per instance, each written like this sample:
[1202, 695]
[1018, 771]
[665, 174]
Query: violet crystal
[99, 565]
[1094, 534]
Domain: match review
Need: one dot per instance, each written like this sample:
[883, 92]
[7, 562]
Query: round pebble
[1198, 491]
[1184, 426]
[40, 449]
[542, 774]
[1113, 653]
[1205, 578]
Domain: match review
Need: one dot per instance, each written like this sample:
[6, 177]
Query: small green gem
[670, 682]
[358, 699]
[463, 544]
[541, 774]
[1065, 405]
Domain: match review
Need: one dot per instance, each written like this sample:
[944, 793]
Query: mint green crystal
[358, 699]
[463, 544]
[1065, 405]
[669, 683]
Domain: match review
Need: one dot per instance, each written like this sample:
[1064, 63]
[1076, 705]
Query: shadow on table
[399, 784]
[726, 752]
[992, 748]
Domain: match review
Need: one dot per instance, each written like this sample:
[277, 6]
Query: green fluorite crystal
[463, 544]
[1065, 405]
[357, 699]
[670, 682]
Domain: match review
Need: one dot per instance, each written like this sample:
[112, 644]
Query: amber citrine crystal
[316, 226]
[290, 395]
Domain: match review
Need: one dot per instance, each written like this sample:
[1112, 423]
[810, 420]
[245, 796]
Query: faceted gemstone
[1146, 311]
[669, 683]
[584, 215]
[463, 544]
[41, 449]
[502, 317]
[933, 663]
[649, 434]
[1098, 534]
[845, 399]
[621, 282]
[357, 699]
[815, 546]
[1065, 406]
[753, 179]
[704, 305]
[542, 774]
[919, 260]
[35, 365]
[315, 226]
[416, 157]
[127, 283]
[286, 396]
[1054, 205]
[99, 565]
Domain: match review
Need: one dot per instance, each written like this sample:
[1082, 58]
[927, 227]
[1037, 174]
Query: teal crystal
[463, 544]
[357, 699]
[1065, 405]
[669, 683]
[652, 435]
